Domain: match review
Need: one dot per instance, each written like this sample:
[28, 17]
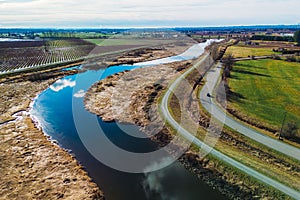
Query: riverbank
[136, 104]
[32, 166]
[132, 97]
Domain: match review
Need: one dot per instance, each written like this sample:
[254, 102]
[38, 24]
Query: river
[53, 109]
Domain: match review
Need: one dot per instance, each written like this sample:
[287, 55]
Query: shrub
[291, 59]
[290, 130]
[276, 57]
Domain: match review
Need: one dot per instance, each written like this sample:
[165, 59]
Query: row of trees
[296, 38]
[272, 38]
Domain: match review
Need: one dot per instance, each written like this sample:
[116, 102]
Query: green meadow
[266, 90]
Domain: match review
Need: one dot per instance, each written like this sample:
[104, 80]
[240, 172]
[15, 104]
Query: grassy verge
[229, 180]
[246, 182]
[232, 176]
[261, 158]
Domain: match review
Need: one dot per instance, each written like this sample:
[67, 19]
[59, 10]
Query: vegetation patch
[268, 91]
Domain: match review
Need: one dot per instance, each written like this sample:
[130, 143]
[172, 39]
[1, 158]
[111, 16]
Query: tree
[214, 51]
[291, 129]
[228, 62]
[297, 37]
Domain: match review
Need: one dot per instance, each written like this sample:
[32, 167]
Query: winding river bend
[53, 110]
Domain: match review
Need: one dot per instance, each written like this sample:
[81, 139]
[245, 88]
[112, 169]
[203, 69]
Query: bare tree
[228, 62]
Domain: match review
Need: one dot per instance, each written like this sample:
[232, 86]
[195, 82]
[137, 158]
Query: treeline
[81, 35]
[273, 38]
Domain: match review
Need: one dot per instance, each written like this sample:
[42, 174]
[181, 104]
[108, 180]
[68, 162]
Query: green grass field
[95, 41]
[267, 89]
[243, 52]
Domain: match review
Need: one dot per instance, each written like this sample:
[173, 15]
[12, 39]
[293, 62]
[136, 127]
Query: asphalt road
[165, 111]
[210, 105]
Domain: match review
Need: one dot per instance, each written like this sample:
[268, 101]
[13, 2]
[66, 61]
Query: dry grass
[243, 52]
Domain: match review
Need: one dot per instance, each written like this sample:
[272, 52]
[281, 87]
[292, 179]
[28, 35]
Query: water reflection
[53, 109]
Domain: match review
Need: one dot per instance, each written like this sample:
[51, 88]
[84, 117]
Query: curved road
[210, 105]
[165, 111]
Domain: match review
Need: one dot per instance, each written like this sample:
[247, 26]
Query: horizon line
[149, 27]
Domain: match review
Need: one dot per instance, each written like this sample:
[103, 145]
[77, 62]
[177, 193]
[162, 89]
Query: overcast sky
[146, 13]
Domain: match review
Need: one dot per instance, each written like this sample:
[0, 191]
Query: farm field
[259, 48]
[21, 55]
[266, 90]
[16, 56]
[127, 41]
[247, 51]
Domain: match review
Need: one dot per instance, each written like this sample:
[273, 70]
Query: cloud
[153, 182]
[61, 84]
[79, 94]
[41, 13]
[16, 1]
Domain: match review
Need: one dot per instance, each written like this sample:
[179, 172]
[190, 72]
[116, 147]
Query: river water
[54, 108]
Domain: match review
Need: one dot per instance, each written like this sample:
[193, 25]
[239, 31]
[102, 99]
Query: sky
[146, 13]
